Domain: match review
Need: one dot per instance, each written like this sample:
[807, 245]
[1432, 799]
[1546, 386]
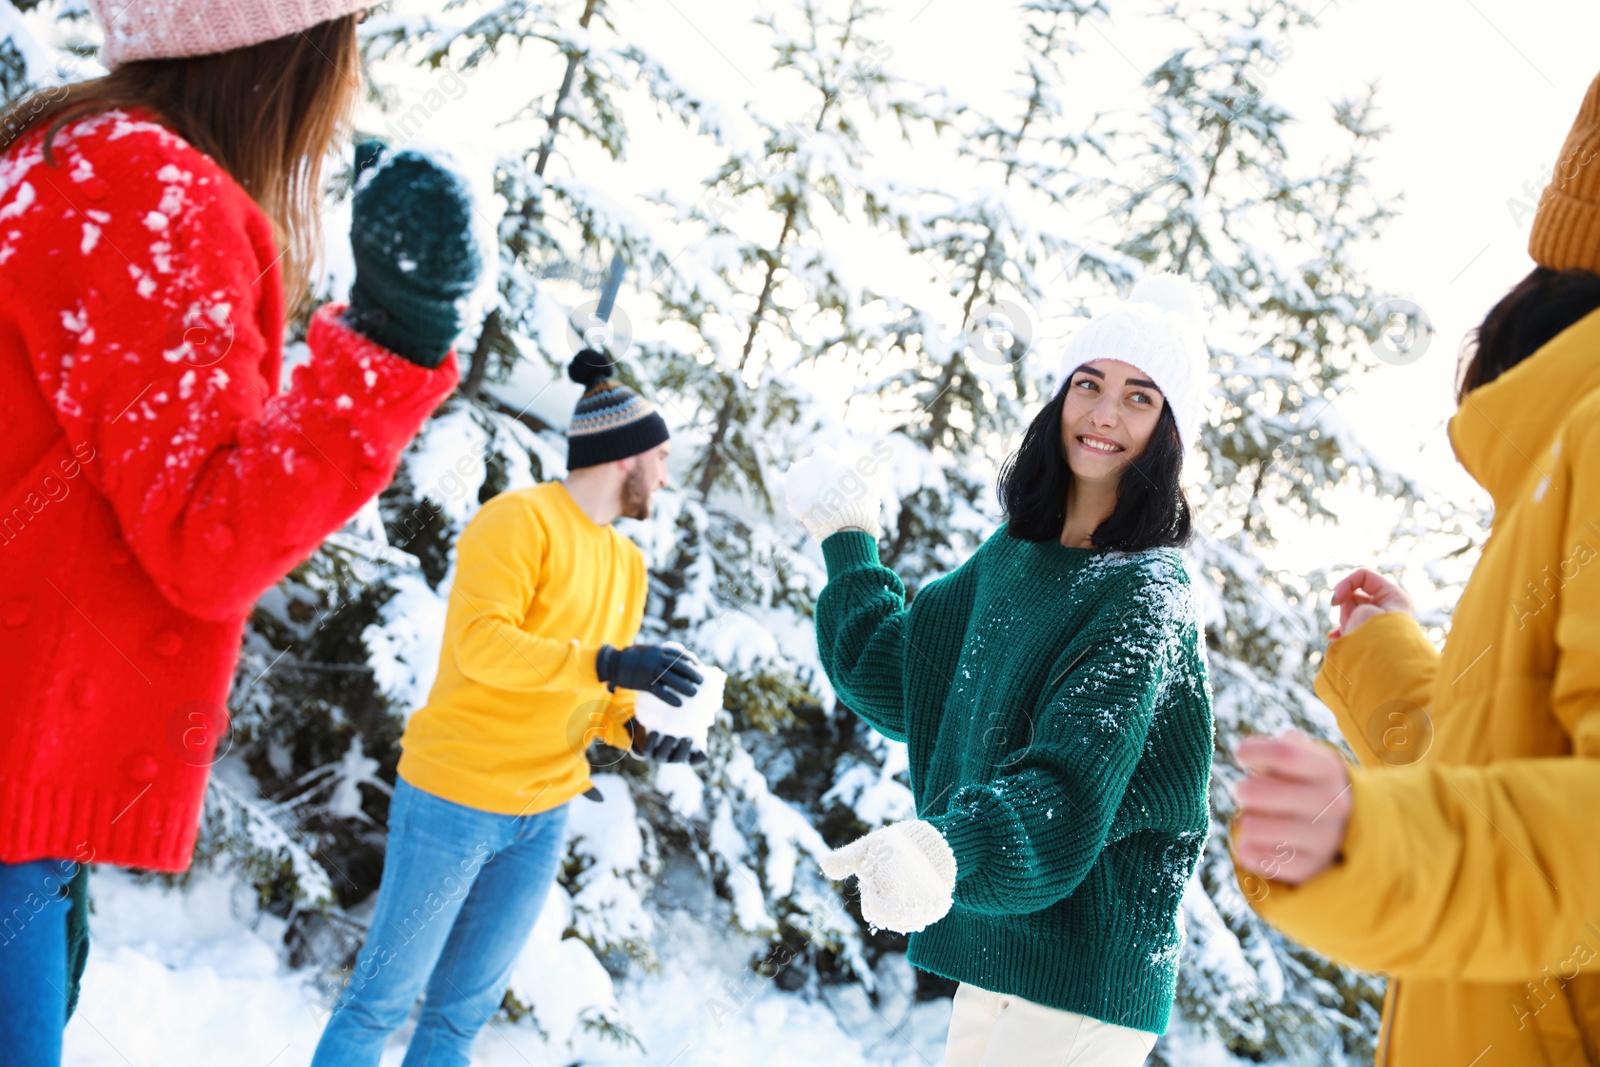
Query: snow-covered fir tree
[740, 370]
[1000, 248]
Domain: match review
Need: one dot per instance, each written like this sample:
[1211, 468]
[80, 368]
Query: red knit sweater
[154, 481]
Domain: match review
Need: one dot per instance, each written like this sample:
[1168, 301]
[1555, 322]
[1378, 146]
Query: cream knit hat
[1160, 329]
[162, 29]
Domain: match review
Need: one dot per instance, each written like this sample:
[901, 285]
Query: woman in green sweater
[1053, 695]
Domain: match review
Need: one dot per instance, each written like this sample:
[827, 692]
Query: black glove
[664, 670]
[415, 254]
[663, 748]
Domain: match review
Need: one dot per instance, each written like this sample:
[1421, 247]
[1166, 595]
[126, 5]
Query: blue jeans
[460, 893]
[33, 960]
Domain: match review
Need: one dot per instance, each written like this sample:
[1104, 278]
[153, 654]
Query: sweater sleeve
[1027, 837]
[1374, 679]
[153, 315]
[621, 704]
[861, 625]
[500, 561]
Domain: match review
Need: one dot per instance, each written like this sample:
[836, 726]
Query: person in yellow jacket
[1460, 858]
[538, 660]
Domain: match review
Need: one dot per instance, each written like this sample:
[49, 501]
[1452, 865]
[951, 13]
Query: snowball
[694, 719]
[808, 480]
[830, 489]
[1173, 294]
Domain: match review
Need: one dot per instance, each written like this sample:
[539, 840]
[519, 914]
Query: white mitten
[827, 493]
[907, 875]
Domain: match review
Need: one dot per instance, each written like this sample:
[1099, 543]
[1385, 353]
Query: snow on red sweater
[154, 480]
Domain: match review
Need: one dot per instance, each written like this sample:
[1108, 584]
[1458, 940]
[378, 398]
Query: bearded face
[636, 494]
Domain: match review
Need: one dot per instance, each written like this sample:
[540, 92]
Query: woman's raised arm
[156, 338]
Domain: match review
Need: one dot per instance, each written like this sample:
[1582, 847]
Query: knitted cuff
[1566, 232]
[820, 520]
[964, 835]
[848, 550]
[605, 660]
[926, 837]
[417, 328]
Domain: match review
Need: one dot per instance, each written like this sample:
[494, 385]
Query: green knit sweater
[1056, 706]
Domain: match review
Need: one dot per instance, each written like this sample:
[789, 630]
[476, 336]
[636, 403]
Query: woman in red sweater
[154, 477]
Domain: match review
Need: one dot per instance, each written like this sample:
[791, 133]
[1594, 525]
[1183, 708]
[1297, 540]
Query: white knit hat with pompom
[165, 29]
[1160, 329]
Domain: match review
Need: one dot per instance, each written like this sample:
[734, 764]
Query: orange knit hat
[1566, 228]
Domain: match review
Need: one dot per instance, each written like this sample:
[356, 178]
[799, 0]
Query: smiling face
[647, 472]
[1109, 413]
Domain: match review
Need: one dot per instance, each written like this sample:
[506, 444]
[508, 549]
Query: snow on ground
[195, 978]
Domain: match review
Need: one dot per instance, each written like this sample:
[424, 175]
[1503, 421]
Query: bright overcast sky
[1478, 95]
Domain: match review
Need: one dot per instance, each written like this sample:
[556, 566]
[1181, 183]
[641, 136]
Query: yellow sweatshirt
[538, 588]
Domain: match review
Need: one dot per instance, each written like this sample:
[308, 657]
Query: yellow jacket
[1472, 876]
[538, 588]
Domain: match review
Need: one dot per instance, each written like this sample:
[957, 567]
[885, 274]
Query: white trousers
[996, 1030]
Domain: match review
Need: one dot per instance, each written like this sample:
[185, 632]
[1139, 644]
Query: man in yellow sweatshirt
[538, 661]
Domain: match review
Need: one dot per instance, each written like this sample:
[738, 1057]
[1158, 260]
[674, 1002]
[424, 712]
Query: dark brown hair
[1537, 308]
[267, 113]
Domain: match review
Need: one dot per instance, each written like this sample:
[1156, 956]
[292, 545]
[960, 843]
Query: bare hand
[1363, 593]
[1293, 807]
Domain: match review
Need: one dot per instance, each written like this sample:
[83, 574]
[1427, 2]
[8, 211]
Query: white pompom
[1172, 293]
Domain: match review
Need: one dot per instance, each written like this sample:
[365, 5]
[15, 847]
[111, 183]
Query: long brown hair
[267, 113]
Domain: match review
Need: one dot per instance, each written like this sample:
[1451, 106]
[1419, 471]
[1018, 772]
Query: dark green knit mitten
[415, 254]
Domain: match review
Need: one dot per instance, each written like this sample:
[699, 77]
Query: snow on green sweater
[1056, 707]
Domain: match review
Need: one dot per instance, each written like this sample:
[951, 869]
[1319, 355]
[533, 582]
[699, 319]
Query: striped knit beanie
[163, 29]
[610, 420]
